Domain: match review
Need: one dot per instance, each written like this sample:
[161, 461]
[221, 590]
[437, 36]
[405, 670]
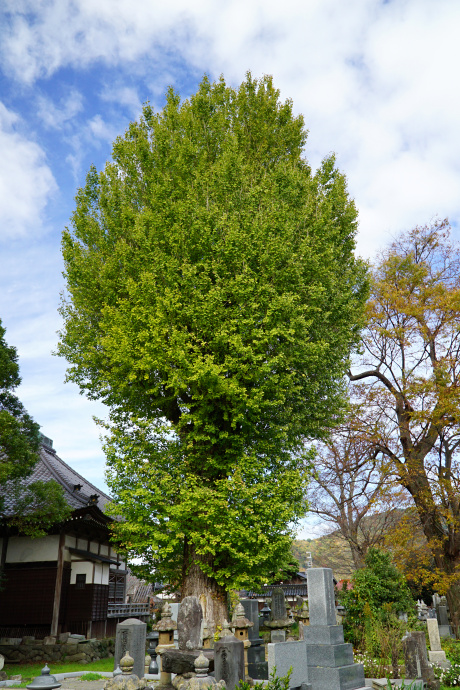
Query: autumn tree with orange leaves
[410, 369]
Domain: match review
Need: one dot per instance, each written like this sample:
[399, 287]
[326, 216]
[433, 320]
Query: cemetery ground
[371, 668]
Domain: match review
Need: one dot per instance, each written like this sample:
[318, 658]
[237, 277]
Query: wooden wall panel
[28, 596]
[87, 604]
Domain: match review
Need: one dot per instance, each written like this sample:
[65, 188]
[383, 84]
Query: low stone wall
[83, 652]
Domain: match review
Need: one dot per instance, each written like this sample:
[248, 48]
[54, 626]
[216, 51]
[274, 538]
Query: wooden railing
[127, 610]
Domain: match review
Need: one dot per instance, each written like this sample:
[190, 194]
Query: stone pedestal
[283, 656]
[329, 658]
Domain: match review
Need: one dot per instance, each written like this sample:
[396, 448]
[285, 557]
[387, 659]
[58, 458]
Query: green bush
[379, 593]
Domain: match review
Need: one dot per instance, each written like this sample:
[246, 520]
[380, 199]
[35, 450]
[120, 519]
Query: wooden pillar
[4, 551]
[58, 585]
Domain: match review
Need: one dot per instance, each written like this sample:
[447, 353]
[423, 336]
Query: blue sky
[377, 83]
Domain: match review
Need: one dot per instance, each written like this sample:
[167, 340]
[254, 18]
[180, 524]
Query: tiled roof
[50, 466]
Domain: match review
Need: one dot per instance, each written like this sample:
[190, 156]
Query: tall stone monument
[130, 637]
[189, 618]
[257, 666]
[329, 658]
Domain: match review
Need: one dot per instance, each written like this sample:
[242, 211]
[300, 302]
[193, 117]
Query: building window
[80, 581]
[117, 585]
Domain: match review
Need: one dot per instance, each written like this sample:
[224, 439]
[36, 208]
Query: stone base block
[344, 678]
[445, 631]
[323, 634]
[258, 670]
[437, 657]
[330, 655]
[278, 636]
[180, 662]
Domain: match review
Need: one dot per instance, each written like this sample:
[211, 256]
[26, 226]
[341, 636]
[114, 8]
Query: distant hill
[329, 551]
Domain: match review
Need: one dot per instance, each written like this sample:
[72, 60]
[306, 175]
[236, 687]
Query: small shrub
[450, 677]
[274, 682]
[91, 676]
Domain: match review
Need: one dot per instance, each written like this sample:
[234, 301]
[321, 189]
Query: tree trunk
[212, 596]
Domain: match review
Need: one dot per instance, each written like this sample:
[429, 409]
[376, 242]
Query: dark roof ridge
[61, 479]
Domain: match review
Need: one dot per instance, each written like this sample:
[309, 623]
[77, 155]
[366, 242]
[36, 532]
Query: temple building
[70, 580]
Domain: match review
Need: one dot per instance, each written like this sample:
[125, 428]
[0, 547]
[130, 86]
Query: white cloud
[26, 181]
[376, 81]
[55, 117]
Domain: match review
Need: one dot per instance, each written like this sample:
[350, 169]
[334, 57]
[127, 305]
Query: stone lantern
[165, 627]
[44, 681]
[241, 625]
[303, 615]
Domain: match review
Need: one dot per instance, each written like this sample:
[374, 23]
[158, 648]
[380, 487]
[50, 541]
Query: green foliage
[92, 676]
[213, 298]
[39, 505]
[379, 592]
[274, 682]
[19, 434]
[452, 649]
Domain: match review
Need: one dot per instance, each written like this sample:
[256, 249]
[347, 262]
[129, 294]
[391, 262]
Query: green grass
[33, 669]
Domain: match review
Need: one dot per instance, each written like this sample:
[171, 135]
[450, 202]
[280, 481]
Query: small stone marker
[416, 659]
[189, 620]
[130, 636]
[2, 661]
[229, 659]
[443, 620]
[285, 655]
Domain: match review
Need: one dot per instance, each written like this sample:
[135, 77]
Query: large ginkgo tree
[213, 297]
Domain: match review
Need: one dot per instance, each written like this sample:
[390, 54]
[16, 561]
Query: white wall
[27, 550]
[79, 567]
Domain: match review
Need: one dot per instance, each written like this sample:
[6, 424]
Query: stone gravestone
[278, 618]
[189, 620]
[285, 655]
[130, 637]
[251, 611]
[436, 655]
[278, 605]
[416, 659]
[174, 611]
[443, 620]
[329, 659]
[229, 659]
[257, 666]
